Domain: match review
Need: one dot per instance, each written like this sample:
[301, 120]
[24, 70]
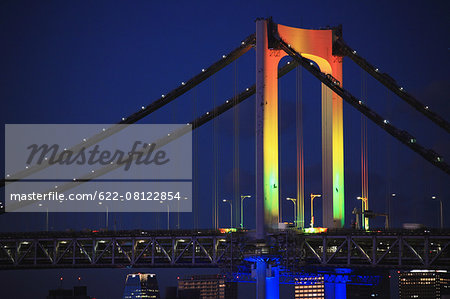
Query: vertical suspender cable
[300, 162]
[236, 171]
[216, 159]
[364, 158]
[174, 121]
[195, 163]
[389, 167]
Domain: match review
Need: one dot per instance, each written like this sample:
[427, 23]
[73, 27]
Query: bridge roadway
[290, 249]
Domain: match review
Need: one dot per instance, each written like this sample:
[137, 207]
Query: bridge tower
[316, 45]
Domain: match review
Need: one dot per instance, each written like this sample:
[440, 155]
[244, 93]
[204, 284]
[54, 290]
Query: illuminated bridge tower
[316, 45]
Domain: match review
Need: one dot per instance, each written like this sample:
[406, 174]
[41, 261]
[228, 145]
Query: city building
[207, 287]
[78, 292]
[424, 284]
[140, 285]
[314, 287]
[171, 293]
[380, 290]
[309, 287]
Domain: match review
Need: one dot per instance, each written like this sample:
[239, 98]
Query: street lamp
[178, 212]
[107, 214]
[168, 215]
[389, 208]
[442, 215]
[231, 211]
[312, 207]
[46, 217]
[365, 207]
[294, 200]
[242, 209]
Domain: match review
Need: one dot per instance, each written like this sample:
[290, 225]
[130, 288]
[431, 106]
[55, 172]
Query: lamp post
[107, 214]
[178, 212]
[356, 213]
[46, 217]
[168, 214]
[441, 210]
[312, 207]
[389, 208]
[364, 205]
[242, 209]
[294, 200]
[231, 211]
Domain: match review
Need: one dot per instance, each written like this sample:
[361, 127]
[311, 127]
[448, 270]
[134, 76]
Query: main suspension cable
[191, 126]
[204, 74]
[401, 135]
[391, 84]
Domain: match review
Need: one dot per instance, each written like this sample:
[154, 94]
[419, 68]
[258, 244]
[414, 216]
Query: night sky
[83, 62]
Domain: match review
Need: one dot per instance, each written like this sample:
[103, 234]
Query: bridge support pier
[267, 281]
[261, 268]
[335, 290]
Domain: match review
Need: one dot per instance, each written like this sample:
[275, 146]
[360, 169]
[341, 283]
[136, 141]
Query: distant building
[380, 290]
[141, 286]
[171, 293]
[309, 287]
[207, 287]
[424, 284]
[78, 292]
[313, 287]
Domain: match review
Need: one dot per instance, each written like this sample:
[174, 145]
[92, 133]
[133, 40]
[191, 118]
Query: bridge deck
[208, 248]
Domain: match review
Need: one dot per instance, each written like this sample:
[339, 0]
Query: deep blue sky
[95, 62]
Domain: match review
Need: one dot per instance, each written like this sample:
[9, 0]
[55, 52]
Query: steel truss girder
[293, 251]
[394, 251]
[115, 251]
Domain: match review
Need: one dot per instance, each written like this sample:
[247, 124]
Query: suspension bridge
[270, 254]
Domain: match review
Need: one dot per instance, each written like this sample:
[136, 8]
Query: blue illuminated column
[335, 290]
[273, 283]
[261, 269]
[267, 280]
[340, 290]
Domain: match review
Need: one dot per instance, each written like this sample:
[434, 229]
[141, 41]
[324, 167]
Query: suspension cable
[401, 135]
[364, 155]
[215, 157]
[190, 127]
[194, 163]
[236, 171]
[391, 84]
[204, 74]
[300, 161]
